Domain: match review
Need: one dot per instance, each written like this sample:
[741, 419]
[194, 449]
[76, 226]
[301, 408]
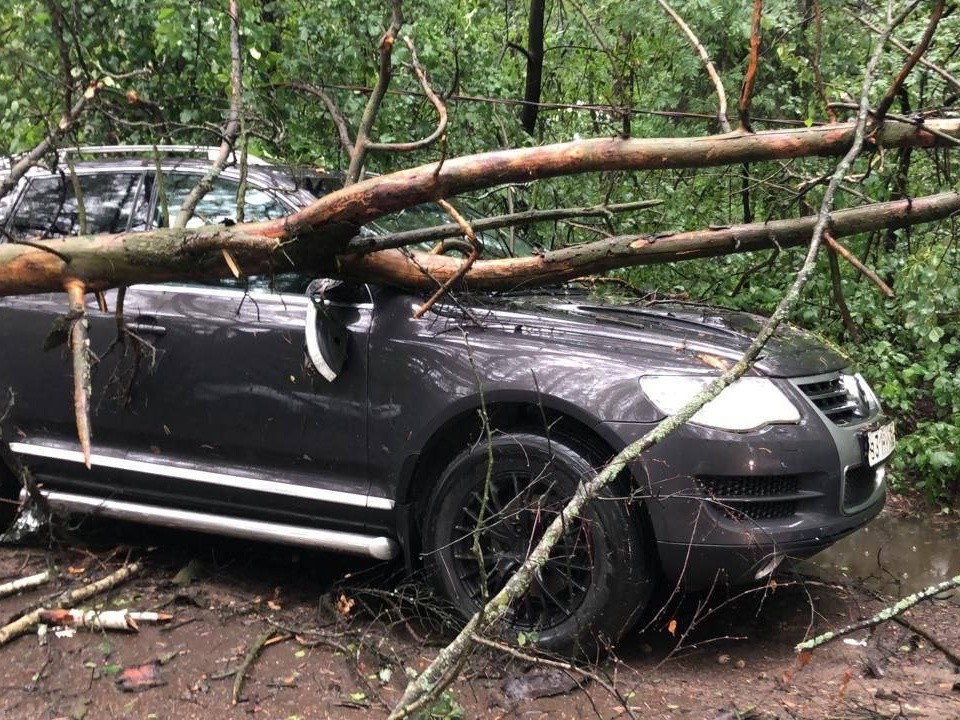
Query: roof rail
[199, 151]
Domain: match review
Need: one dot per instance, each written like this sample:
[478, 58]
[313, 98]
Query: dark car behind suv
[327, 416]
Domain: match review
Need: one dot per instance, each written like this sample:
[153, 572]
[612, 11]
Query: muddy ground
[349, 632]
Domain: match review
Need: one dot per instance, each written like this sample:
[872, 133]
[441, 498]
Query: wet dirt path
[355, 636]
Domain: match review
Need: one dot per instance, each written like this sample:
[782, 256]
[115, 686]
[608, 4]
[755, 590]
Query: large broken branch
[393, 266]
[314, 235]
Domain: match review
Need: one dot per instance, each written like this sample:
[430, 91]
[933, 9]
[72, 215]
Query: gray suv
[325, 415]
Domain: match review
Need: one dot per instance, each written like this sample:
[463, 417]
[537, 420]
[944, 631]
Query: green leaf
[942, 459]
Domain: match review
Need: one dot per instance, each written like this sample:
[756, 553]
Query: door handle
[147, 325]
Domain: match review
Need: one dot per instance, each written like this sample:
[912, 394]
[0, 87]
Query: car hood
[701, 338]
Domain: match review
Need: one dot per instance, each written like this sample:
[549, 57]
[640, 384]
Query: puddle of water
[897, 555]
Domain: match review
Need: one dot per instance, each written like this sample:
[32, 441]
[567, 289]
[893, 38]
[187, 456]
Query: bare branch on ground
[888, 613]
[25, 583]
[68, 599]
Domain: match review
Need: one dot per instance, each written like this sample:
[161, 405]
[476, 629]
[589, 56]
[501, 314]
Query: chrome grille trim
[832, 397]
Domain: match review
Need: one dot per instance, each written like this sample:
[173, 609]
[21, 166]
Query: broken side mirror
[327, 337]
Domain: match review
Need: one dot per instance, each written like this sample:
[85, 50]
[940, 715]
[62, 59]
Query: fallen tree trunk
[313, 237]
[379, 196]
[393, 266]
[109, 260]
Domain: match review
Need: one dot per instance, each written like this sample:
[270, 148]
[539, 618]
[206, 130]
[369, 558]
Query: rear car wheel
[482, 520]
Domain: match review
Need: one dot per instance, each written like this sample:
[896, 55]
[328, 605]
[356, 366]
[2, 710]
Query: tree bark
[314, 235]
[534, 81]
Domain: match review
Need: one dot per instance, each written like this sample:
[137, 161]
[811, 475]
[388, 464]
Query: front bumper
[737, 505]
[700, 566]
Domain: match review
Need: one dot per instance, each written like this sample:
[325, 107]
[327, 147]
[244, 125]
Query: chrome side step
[381, 548]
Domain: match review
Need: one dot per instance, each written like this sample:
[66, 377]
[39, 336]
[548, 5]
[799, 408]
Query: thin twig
[38, 246]
[911, 62]
[707, 63]
[746, 91]
[859, 17]
[372, 243]
[836, 285]
[949, 653]
[469, 233]
[567, 667]
[435, 100]
[816, 59]
[842, 250]
[336, 114]
[888, 613]
[251, 657]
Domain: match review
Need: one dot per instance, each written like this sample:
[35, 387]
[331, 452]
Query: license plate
[880, 444]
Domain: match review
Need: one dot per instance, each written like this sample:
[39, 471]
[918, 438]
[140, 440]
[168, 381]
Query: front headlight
[748, 404]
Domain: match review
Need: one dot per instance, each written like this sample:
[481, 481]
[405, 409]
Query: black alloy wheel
[483, 520]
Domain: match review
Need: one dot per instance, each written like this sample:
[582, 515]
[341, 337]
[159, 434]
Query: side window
[221, 204]
[6, 205]
[49, 207]
[217, 205]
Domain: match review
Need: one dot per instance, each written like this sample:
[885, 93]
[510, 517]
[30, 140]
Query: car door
[210, 403]
[34, 372]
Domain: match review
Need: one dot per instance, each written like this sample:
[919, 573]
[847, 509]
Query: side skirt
[381, 548]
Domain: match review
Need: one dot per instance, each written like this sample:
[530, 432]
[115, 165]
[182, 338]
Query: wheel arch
[509, 411]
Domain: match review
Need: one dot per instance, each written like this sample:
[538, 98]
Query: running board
[381, 548]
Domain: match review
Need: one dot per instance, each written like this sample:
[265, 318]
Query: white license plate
[880, 444]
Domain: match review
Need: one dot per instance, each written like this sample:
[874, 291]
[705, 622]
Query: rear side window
[6, 204]
[216, 206]
[50, 208]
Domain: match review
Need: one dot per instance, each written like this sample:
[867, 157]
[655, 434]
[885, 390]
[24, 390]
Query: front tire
[478, 532]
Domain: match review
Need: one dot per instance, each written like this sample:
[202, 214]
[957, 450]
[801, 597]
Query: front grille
[762, 497]
[833, 398]
[725, 486]
[765, 510]
[858, 486]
